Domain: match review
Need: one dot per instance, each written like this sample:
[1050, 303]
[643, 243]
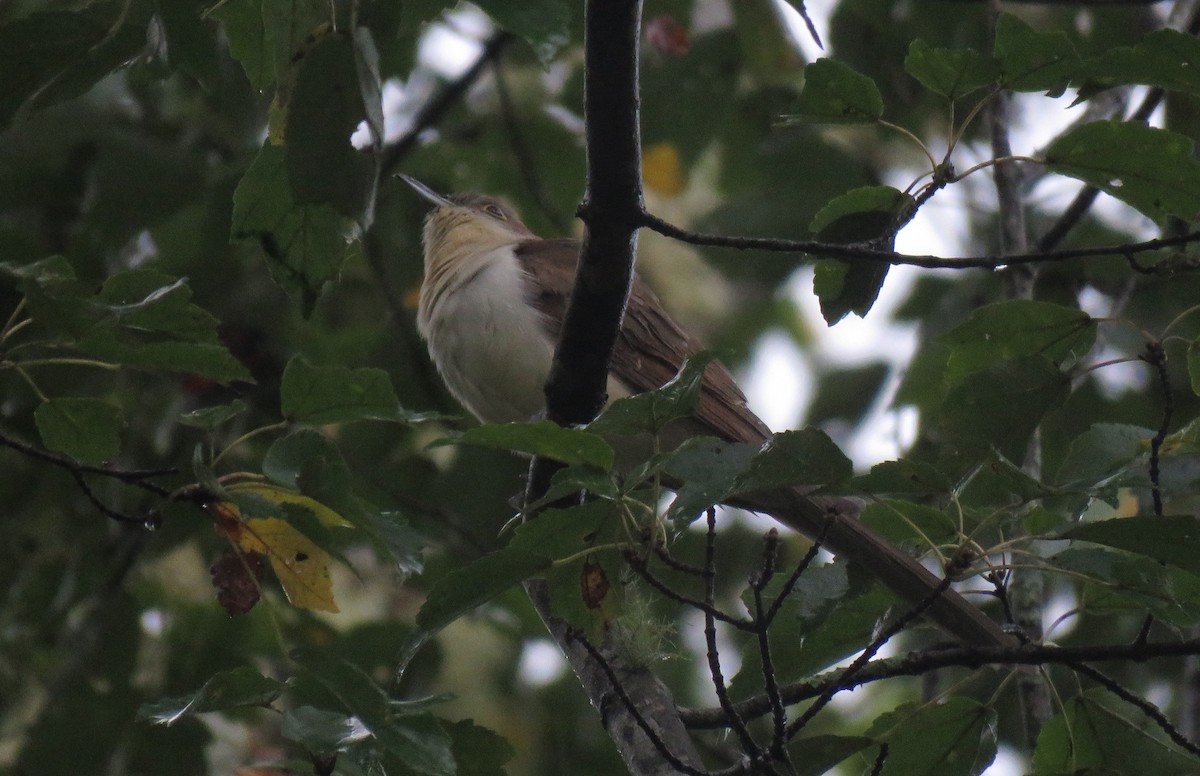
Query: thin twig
[135, 477]
[431, 113]
[871, 650]
[1157, 358]
[866, 252]
[801, 567]
[770, 680]
[678, 565]
[749, 747]
[918, 663]
[638, 564]
[1147, 708]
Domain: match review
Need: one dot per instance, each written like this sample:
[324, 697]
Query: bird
[490, 310]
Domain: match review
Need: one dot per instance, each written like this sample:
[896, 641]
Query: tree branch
[917, 663]
[138, 478]
[866, 252]
[649, 735]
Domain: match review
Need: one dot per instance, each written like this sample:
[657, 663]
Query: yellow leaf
[278, 495]
[662, 171]
[301, 566]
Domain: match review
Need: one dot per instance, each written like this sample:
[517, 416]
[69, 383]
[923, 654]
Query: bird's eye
[496, 211]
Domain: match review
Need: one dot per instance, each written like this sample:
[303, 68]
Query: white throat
[486, 338]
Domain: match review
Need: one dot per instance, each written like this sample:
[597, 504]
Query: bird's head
[466, 224]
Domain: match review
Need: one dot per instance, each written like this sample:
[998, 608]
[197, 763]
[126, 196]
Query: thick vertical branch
[1027, 586]
[650, 738]
[576, 390]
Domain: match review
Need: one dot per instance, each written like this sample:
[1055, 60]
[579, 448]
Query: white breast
[487, 341]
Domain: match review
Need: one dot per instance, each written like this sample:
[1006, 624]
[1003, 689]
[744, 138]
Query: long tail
[837, 519]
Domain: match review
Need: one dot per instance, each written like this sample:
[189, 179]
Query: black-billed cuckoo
[491, 307]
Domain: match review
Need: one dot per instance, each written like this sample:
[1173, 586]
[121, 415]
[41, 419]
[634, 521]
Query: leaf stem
[994, 162]
[72, 362]
[280, 426]
[38, 391]
[924, 148]
[12, 325]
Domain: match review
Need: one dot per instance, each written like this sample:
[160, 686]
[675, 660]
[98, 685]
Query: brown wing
[650, 348]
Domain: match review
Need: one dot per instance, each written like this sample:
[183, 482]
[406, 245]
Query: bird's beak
[427, 193]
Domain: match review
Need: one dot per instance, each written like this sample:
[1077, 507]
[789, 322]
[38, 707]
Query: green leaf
[848, 393]
[324, 108]
[649, 412]
[139, 318]
[572, 446]
[952, 73]
[1097, 733]
[319, 730]
[904, 477]
[400, 542]
[1152, 170]
[573, 479]
[1168, 538]
[1040, 520]
[791, 458]
[242, 21]
[952, 737]
[52, 56]
[418, 740]
[191, 39]
[290, 29]
[477, 750]
[1165, 58]
[123, 346]
[1032, 61]
[834, 93]
[477, 583]
[1105, 450]
[305, 245]
[209, 418]
[587, 592]
[155, 301]
[269, 36]
[866, 214]
[1114, 582]
[237, 688]
[306, 457]
[545, 24]
[1018, 327]
[709, 470]
[338, 394]
[559, 534]
[88, 430]
[831, 613]
[999, 407]
[911, 525]
[55, 297]
[817, 755]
